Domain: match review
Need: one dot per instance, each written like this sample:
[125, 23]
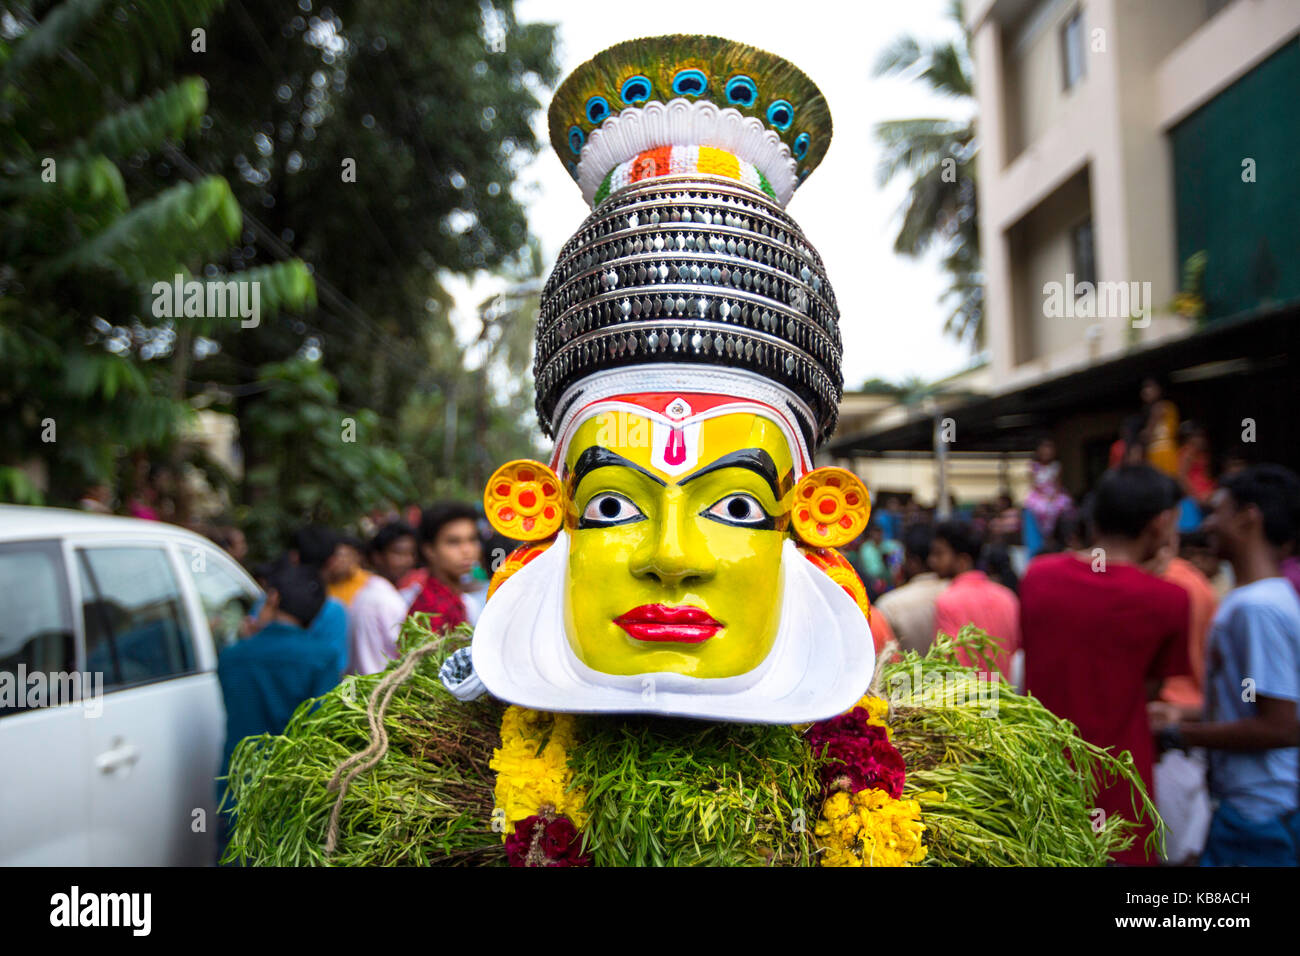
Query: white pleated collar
[820, 664]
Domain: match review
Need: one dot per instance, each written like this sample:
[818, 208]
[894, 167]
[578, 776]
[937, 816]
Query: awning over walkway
[1244, 366]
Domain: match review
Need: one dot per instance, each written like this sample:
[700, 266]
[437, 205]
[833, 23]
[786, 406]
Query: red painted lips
[681, 624]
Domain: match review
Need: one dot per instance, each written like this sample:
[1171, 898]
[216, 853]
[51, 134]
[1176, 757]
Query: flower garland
[540, 814]
[870, 828]
[864, 820]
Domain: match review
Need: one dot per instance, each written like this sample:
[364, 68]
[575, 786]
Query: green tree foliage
[89, 372]
[433, 123]
[345, 156]
[458, 435]
[938, 155]
[325, 463]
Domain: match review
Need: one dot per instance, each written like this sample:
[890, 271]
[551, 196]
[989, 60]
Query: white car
[111, 718]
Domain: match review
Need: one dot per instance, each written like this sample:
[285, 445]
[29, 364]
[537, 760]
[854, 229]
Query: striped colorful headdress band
[688, 148]
[681, 161]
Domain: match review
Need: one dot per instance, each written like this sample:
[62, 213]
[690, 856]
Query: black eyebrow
[598, 457]
[753, 459]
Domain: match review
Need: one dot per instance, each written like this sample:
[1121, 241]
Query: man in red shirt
[450, 547]
[972, 598]
[1100, 634]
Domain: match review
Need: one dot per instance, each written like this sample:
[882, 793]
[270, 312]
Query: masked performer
[678, 615]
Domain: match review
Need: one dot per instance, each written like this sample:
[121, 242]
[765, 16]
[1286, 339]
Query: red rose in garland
[857, 754]
[545, 840]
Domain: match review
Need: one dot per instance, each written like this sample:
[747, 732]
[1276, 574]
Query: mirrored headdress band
[692, 269]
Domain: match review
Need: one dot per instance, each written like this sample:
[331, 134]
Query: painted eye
[740, 509]
[608, 509]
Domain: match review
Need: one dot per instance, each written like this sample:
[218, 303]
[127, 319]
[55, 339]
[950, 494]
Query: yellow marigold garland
[870, 828]
[532, 766]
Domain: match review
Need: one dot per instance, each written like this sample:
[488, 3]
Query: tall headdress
[689, 148]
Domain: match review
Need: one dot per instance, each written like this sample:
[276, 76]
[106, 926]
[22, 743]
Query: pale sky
[891, 321]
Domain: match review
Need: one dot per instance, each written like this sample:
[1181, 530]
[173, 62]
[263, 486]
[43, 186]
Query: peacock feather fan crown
[594, 106]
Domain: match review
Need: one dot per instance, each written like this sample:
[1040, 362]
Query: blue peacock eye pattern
[635, 89]
[729, 76]
[780, 114]
[741, 91]
[597, 110]
[690, 83]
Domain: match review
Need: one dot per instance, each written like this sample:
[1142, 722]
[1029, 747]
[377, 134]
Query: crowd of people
[1182, 649]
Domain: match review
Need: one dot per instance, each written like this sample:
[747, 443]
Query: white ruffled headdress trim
[680, 122]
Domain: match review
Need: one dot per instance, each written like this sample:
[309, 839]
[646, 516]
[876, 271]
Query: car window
[136, 628]
[226, 597]
[36, 634]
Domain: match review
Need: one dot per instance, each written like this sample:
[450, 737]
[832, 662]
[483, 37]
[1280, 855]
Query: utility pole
[942, 510]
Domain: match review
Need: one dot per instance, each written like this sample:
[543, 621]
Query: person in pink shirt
[972, 598]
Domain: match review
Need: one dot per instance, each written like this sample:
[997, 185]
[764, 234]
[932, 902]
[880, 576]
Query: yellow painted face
[675, 567]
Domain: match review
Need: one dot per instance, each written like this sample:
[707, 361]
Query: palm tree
[939, 156]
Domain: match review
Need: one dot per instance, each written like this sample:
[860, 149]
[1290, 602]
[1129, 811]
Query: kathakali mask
[681, 545]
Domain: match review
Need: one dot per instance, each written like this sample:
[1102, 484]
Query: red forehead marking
[659, 401]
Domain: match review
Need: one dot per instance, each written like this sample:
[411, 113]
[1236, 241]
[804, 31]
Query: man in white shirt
[909, 609]
[375, 620]
[393, 554]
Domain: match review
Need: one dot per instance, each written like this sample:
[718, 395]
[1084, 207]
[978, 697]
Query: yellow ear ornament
[524, 500]
[831, 507]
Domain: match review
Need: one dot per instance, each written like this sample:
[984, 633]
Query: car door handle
[121, 754]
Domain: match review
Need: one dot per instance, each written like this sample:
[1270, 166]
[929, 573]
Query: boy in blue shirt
[1252, 682]
[265, 677]
[314, 546]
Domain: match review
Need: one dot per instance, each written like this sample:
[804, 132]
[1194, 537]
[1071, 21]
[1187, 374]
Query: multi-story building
[1139, 204]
